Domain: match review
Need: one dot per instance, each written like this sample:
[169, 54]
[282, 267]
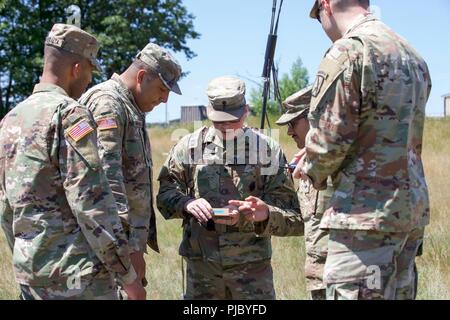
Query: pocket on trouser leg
[102, 289]
[406, 281]
[204, 281]
[361, 259]
[89, 288]
[353, 291]
[342, 291]
[407, 276]
[250, 281]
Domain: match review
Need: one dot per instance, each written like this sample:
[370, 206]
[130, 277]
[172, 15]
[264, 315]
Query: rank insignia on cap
[107, 124]
[80, 130]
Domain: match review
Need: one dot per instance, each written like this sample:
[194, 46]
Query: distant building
[446, 105]
[193, 113]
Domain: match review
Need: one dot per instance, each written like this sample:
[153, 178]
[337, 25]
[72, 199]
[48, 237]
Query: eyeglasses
[319, 8]
[293, 123]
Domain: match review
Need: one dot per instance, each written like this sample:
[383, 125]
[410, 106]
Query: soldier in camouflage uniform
[312, 202]
[119, 106]
[226, 166]
[367, 117]
[56, 208]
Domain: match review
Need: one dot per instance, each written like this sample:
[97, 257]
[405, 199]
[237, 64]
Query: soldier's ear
[140, 76]
[247, 110]
[327, 7]
[76, 70]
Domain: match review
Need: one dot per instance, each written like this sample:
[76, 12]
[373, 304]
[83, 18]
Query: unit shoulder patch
[320, 80]
[331, 67]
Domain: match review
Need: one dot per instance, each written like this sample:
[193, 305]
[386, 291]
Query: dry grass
[434, 266]
[164, 270]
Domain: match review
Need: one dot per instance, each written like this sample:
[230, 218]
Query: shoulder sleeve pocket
[331, 68]
[81, 136]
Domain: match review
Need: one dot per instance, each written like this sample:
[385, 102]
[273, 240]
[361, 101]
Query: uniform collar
[359, 20]
[49, 87]
[212, 137]
[126, 92]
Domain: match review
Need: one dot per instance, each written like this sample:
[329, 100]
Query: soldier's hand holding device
[253, 208]
[201, 210]
[228, 215]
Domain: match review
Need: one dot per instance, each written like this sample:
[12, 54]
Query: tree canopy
[123, 27]
[289, 84]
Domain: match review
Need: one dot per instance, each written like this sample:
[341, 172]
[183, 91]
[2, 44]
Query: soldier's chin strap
[269, 64]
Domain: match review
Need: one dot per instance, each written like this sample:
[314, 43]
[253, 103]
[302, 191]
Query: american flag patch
[80, 130]
[106, 124]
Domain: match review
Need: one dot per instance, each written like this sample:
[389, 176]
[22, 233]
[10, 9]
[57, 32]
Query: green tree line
[122, 26]
[289, 84]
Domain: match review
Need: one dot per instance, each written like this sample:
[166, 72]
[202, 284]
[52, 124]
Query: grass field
[164, 269]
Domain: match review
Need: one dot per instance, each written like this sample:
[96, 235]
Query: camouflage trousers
[87, 289]
[208, 280]
[370, 265]
[316, 245]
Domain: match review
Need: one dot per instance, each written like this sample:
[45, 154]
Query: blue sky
[234, 34]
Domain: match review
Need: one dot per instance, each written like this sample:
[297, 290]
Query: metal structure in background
[269, 70]
[74, 15]
[446, 105]
[190, 114]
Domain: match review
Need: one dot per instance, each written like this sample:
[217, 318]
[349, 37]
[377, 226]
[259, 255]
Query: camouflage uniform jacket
[125, 151]
[182, 179]
[367, 118]
[56, 207]
[313, 204]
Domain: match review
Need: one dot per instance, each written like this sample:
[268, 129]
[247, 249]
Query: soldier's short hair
[345, 3]
[138, 64]
[365, 3]
[61, 57]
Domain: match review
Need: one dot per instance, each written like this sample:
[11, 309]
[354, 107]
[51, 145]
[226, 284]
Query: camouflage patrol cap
[74, 40]
[297, 105]
[226, 97]
[167, 67]
[313, 13]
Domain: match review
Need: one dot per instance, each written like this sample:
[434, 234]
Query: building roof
[446, 95]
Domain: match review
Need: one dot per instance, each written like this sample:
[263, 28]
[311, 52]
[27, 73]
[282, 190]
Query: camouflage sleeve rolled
[334, 113]
[173, 191]
[90, 196]
[284, 210]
